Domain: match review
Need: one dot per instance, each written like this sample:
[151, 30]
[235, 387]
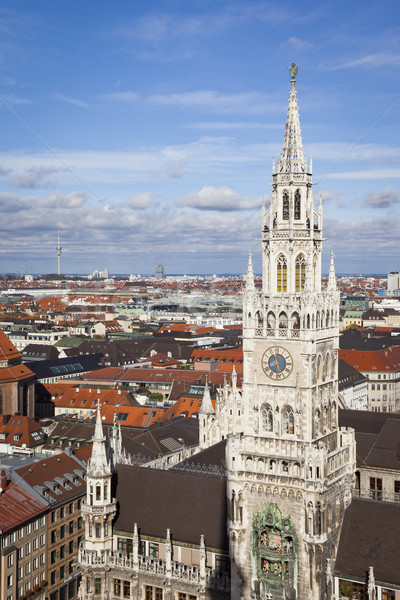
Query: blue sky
[145, 131]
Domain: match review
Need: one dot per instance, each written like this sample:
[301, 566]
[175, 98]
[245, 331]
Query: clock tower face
[277, 363]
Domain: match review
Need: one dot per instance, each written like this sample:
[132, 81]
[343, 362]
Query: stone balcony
[173, 570]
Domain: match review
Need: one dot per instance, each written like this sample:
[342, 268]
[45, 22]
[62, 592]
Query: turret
[99, 508]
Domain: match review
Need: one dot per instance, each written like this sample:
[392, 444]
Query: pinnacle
[292, 158]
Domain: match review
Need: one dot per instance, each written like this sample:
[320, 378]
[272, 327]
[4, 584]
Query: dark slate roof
[45, 369]
[349, 376]
[183, 431]
[369, 537]
[186, 504]
[377, 437]
[39, 352]
[214, 456]
[365, 421]
[385, 452]
[356, 340]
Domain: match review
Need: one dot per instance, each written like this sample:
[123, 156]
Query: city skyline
[147, 135]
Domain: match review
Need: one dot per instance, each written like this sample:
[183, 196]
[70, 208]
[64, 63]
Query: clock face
[277, 363]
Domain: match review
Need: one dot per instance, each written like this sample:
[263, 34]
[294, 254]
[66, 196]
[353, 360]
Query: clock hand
[276, 362]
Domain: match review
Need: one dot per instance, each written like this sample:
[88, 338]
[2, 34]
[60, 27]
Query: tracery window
[267, 418]
[281, 274]
[297, 205]
[285, 206]
[288, 420]
[300, 272]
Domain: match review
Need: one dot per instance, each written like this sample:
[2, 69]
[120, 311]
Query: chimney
[3, 480]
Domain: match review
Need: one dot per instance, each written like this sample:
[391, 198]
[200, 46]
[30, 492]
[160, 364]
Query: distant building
[16, 381]
[159, 272]
[353, 386]
[393, 288]
[382, 368]
[355, 302]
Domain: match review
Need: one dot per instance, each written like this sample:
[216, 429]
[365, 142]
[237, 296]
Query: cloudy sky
[145, 131]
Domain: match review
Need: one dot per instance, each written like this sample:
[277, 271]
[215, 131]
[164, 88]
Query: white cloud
[218, 199]
[218, 102]
[380, 59]
[73, 101]
[126, 97]
[383, 199]
[298, 44]
[36, 177]
[13, 100]
[367, 174]
[140, 201]
[230, 125]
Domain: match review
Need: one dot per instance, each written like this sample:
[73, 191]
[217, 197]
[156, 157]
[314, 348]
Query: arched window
[319, 367]
[295, 320]
[271, 320]
[283, 320]
[315, 261]
[285, 206]
[281, 274]
[297, 205]
[327, 369]
[267, 418]
[300, 272]
[317, 421]
[288, 420]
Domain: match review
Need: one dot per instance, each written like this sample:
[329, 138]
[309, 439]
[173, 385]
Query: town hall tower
[290, 468]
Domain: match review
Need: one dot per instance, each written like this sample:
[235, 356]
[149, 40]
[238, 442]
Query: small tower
[59, 255]
[99, 508]
[206, 418]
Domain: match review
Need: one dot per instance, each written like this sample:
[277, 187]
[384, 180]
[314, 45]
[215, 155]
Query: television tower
[59, 254]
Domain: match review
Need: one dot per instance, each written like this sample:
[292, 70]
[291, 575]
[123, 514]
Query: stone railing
[173, 570]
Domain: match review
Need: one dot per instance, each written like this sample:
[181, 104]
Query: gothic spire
[292, 158]
[250, 276]
[206, 405]
[332, 277]
[99, 463]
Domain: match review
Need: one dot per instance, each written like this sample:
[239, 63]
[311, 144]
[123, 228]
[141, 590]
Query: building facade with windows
[23, 524]
[59, 482]
[382, 369]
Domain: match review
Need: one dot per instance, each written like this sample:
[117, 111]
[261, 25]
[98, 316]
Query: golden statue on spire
[293, 71]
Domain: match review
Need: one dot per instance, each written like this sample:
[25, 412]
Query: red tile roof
[18, 506]
[51, 472]
[186, 406]
[23, 428]
[386, 359]
[73, 396]
[15, 373]
[7, 349]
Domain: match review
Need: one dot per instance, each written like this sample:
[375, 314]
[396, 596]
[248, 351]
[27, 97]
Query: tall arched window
[285, 205]
[288, 420]
[267, 418]
[300, 272]
[281, 271]
[297, 205]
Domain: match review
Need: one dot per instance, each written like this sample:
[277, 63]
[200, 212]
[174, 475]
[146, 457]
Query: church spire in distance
[292, 158]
